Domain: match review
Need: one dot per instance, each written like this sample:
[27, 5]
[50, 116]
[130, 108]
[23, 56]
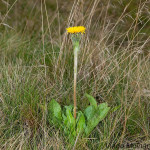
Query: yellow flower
[77, 29]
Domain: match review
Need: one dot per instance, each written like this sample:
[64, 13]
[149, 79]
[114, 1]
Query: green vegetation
[36, 67]
[85, 122]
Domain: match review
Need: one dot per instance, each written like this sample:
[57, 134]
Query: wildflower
[75, 30]
[75, 37]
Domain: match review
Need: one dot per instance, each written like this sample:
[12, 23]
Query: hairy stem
[75, 77]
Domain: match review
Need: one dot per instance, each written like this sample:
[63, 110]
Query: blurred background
[25, 16]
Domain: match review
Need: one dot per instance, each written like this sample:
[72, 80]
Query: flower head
[75, 30]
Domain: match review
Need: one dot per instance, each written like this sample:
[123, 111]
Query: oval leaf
[54, 112]
[80, 123]
[92, 100]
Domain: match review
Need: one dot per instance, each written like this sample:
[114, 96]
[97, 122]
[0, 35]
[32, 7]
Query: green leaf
[91, 125]
[92, 100]
[100, 114]
[64, 120]
[103, 110]
[89, 112]
[70, 118]
[69, 123]
[115, 108]
[54, 112]
[80, 122]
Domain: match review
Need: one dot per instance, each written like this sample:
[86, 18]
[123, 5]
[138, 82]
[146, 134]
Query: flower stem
[76, 48]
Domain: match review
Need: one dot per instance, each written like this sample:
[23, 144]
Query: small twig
[76, 141]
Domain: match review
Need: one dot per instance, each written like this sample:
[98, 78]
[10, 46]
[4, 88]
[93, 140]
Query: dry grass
[36, 67]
